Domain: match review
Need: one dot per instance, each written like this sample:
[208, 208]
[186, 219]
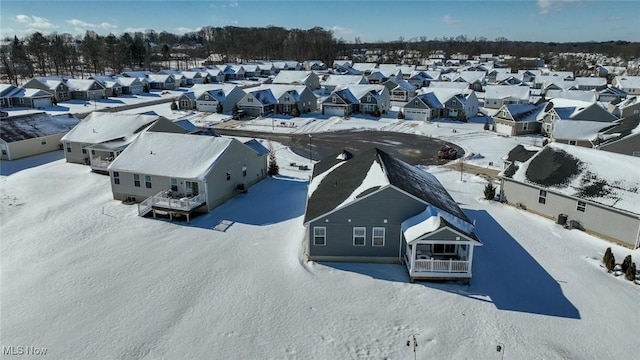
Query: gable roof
[506, 91]
[292, 77]
[29, 126]
[431, 220]
[337, 183]
[173, 155]
[101, 127]
[599, 176]
[82, 84]
[257, 147]
[526, 112]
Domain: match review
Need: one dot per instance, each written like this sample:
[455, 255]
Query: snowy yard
[86, 278]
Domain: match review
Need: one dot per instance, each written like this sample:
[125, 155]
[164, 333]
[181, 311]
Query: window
[444, 249]
[136, 180]
[250, 99]
[84, 149]
[244, 170]
[174, 184]
[581, 206]
[333, 99]
[525, 126]
[68, 145]
[542, 197]
[415, 102]
[228, 176]
[319, 235]
[116, 177]
[572, 142]
[377, 236]
[43, 142]
[359, 236]
[147, 181]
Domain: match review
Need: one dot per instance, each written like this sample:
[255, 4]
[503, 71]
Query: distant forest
[63, 54]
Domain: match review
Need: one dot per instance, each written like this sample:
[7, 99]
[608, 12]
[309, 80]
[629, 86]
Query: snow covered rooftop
[578, 129]
[506, 91]
[29, 126]
[600, 176]
[291, 77]
[430, 220]
[100, 127]
[173, 155]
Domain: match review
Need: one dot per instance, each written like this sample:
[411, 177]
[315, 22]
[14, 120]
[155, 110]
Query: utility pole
[412, 341]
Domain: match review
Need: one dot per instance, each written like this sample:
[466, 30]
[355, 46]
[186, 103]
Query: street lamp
[414, 342]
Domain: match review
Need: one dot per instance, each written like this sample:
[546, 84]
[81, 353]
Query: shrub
[486, 125]
[376, 112]
[630, 274]
[174, 106]
[400, 115]
[626, 263]
[489, 191]
[295, 112]
[607, 257]
[219, 108]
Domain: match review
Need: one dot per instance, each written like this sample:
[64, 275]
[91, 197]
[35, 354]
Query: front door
[192, 188]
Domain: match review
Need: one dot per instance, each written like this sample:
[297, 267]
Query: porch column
[413, 258]
[470, 257]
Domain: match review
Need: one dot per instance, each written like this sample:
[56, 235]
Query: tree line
[62, 54]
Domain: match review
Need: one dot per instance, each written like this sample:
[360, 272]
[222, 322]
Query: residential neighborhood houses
[174, 170]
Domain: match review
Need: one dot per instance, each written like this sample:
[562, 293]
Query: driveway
[414, 149]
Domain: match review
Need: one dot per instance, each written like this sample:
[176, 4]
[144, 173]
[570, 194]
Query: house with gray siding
[588, 189]
[519, 119]
[179, 174]
[421, 225]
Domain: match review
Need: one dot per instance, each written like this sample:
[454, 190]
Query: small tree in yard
[486, 125]
[626, 263]
[630, 274]
[295, 112]
[376, 111]
[174, 106]
[400, 115]
[489, 191]
[219, 108]
[609, 260]
[273, 164]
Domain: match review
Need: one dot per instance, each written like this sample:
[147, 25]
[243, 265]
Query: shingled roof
[336, 183]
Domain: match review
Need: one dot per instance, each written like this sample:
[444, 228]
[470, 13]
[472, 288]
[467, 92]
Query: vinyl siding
[615, 225]
[369, 212]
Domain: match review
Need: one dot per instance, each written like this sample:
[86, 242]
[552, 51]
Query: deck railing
[164, 201]
[100, 163]
[446, 266]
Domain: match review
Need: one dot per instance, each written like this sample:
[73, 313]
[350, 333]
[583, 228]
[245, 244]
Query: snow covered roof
[337, 183]
[82, 84]
[432, 219]
[358, 91]
[506, 91]
[278, 90]
[581, 95]
[599, 176]
[257, 147]
[171, 155]
[446, 85]
[431, 100]
[578, 129]
[292, 77]
[336, 80]
[36, 125]
[101, 127]
[526, 112]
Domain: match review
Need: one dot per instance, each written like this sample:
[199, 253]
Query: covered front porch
[438, 260]
[102, 155]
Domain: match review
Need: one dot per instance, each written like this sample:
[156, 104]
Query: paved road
[411, 148]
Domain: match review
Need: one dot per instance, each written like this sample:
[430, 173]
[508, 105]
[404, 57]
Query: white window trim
[541, 196]
[324, 237]
[364, 236]
[384, 236]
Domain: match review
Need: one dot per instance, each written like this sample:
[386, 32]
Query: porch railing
[100, 163]
[446, 266]
[164, 201]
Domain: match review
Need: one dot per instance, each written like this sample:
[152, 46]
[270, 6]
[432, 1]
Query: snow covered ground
[85, 277]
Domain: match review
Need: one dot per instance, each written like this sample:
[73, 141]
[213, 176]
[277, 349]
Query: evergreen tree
[486, 124]
[376, 111]
[174, 106]
[607, 258]
[630, 274]
[219, 108]
[273, 168]
[295, 111]
[400, 115]
[489, 191]
[626, 263]
[611, 262]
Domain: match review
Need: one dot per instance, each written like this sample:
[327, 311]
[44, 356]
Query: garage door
[333, 110]
[252, 111]
[41, 103]
[416, 115]
[207, 106]
[504, 129]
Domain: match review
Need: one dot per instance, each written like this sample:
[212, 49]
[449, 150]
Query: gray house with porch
[375, 208]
